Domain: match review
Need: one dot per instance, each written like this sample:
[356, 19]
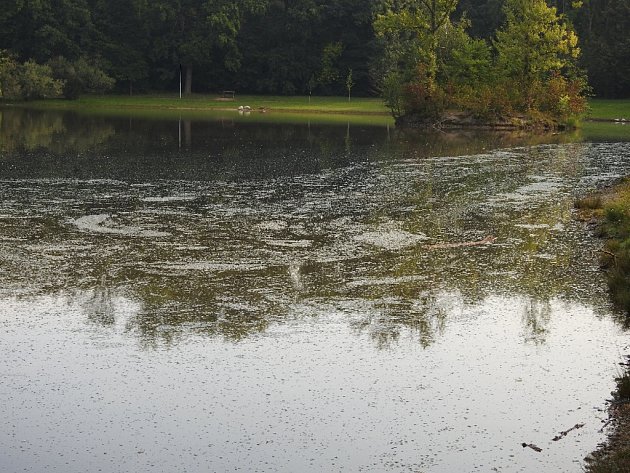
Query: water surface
[213, 295]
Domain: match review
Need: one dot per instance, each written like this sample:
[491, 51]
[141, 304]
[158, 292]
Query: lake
[223, 292]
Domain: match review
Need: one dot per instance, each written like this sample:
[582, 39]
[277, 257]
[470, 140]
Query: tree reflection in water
[252, 225]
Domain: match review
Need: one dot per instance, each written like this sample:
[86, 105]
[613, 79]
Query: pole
[180, 81]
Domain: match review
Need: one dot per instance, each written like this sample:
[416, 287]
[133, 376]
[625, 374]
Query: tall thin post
[180, 81]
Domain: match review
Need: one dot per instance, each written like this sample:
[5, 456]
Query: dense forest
[259, 46]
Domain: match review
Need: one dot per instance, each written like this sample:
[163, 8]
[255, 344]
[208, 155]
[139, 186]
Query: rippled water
[223, 295]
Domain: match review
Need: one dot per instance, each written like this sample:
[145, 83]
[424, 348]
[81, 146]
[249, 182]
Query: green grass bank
[609, 110]
[611, 211]
[599, 109]
[258, 103]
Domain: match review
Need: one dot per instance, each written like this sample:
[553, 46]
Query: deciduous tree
[42, 29]
[198, 32]
[423, 19]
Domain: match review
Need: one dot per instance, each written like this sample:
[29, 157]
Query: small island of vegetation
[436, 74]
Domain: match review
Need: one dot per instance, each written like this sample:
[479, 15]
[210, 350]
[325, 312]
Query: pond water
[236, 294]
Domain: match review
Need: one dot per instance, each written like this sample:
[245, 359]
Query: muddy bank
[614, 455]
[459, 120]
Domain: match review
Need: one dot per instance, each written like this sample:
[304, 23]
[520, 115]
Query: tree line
[260, 46]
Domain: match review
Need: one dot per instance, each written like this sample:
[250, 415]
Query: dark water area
[230, 293]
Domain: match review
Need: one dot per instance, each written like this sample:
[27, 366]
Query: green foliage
[392, 91]
[272, 46]
[426, 103]
[27, 81]
[200, 33]
[329, 72]
[615, 227]
[286, 45]
[126, 61]
[80, 77]
[534, 44]
[534, 40]
[615, 215]
[486, 101]
[603, 27]
[36, 82]
[560, 97]
[531, 77]
[412, 31]
[419, 24]
[42, 29]
[263, 46]
[463, 60]
[9, 81]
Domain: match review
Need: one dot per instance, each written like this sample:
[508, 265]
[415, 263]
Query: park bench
[228, 94]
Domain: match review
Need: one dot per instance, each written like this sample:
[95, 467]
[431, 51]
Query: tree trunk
[188, 82]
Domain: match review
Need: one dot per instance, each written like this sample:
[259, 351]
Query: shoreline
[360, 106]
[620, 121]
[609, 212]
[206, 104]
[202, 109]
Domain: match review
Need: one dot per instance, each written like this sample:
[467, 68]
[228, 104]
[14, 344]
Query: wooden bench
[228, 94]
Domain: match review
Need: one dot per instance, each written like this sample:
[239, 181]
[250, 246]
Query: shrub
[392, 92]
[36, 81]
[560, 97]
[9, 85]
[615, 214]
[485, 101]
[80, 77]
[26, 81]
[424, 102]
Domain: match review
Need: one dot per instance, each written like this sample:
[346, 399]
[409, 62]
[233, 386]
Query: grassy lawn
[603, 109]
[359, 105]
[298, 108]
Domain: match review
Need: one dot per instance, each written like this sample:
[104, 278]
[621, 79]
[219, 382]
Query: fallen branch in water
[605, 425]
[566, 432]
[532, 446]
[612, 255]
[438, 246]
